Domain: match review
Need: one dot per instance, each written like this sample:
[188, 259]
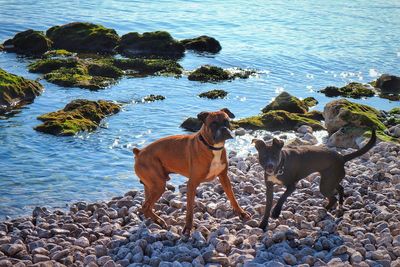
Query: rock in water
[287, 102]
[81, 36]
[28, 42]
[78, 115]
[202, 44]
[159, 44]
[16, 91]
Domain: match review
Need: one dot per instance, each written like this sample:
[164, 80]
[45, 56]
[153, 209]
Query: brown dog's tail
[363, 150]
[136, 151]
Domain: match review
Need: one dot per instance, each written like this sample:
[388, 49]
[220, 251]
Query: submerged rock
[16, 91]
[214, 94]
[152, 98]
[192, 124]
[92, 73]
[353, 90]
[158, 43]
[28, 42]
[202, 43]
[83, 37]
[277, 120]
[287, 102]
[78, 115]
[208, 73]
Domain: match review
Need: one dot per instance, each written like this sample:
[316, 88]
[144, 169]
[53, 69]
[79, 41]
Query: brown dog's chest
[216, 165]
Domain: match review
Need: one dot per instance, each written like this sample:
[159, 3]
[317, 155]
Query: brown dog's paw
[162, 223]
[186, 230]
[244, 215]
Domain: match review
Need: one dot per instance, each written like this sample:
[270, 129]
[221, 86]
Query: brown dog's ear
[202, 116]
[277, 142]
[258, 143]
[228, 112]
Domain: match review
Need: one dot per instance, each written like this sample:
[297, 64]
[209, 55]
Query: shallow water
[299, 47]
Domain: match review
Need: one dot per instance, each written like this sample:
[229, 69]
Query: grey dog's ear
[258, 143]
[277, 142]
[202, 116]
[228, 112]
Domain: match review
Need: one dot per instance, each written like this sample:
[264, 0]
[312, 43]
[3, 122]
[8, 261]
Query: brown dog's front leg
[226, 185]
[191, 193]
[268, 204]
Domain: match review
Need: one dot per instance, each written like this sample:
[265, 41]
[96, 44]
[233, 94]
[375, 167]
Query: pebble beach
[114, 233]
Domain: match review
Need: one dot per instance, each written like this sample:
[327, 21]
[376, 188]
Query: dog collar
[209, 146]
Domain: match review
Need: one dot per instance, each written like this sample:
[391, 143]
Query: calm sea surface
[297, 46]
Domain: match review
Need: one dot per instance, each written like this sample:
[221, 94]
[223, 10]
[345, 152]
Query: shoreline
[112, 234]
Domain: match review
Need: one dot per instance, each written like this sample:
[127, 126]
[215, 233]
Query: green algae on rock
[287, 102]
[83, 37]
[353, 90]
[214, 94]
[16, 91]
[275, 120]
[58, 53]
[79, 115]
[143, 67]
[310, 101]
[208, 73]
[28, 42]
[157, 44]
[152, 98]
[202, 44]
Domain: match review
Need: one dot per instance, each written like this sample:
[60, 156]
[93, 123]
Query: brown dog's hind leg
[151, 197]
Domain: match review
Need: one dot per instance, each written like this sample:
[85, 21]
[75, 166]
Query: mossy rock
[394, 111]
[79, 115]
[393, 117]
[28, 42]
[58, 53]
[202, 44]
[277, 120]
[209, 73]
[83, 37]
[144, 67]
[103, 69]
[314, 114]
[157, 44]
[16, 91]
[341, 112]
[310, 101]
[214, 94]
[152, 98]
[287, 102]
[353, 90]
[192, 124]
[49, 65]
[1, 47]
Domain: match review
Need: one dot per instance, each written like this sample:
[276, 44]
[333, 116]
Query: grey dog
[286, 166]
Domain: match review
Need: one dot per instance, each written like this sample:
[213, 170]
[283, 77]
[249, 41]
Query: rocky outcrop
[214, 94]
[192, 124]
[208, 73]
[202, 43]
[277, 120]
[389, 84]
[28, 42]
[83, 37]
[16, 91]
[310, 101]
[79, 115]
[152, 98]
[100, 73]
[353, 90]
[149, 44]
[285, 101]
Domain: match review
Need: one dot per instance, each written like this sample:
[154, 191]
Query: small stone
[39, 258]
[82, 242]
[60, 254]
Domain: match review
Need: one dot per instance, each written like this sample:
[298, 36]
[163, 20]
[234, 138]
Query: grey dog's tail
[362, 150]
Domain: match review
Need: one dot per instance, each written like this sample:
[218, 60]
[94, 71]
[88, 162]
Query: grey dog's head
[216, 125]
[269, 154]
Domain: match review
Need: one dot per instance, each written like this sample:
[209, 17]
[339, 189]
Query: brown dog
[201, 157]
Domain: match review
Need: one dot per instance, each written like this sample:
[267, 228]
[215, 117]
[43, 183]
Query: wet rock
[16, 91]
[83, 37]
[214, 94]
[208, 73]
[285, 101]
[152, 98]
[389, 84]
[202, 44]
[28, 42]
[310, 101]
[192, 124]
[159, 44]
[353, 90]
[78, 115]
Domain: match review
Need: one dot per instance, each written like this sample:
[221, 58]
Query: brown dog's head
[216, 125]
[269, 155]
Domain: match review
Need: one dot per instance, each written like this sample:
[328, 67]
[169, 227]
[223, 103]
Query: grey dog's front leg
[268, 204]
[278, 207]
